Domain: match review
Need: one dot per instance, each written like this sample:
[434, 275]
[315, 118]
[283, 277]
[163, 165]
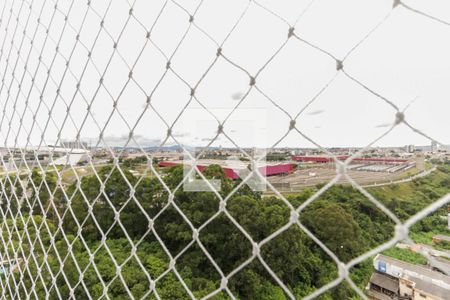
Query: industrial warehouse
[291, 173]
[233, 169]
[374, 164]
[286, 171]
[395, 279]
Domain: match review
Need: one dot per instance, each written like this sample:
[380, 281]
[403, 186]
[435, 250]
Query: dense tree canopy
[106, 213]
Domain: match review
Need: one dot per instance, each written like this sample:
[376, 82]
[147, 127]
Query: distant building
[439, 238]
[71, 159]
[410, 148]
[383, 286]
[434, 147]
[233, 168]
[395, 279]
[7, 266]
[76, 144]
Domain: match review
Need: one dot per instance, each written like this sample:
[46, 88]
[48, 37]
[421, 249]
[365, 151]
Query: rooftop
[415, 268]
[430, 288]
[232, 163]
[384, 281]
[442, 237]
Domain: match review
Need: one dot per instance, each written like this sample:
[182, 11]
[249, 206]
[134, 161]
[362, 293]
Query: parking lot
[311, 175]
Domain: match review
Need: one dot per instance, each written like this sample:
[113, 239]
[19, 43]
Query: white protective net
[102, 69]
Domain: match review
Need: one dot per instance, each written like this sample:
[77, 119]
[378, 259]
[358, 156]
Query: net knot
[343, 270]
[291, 32]
[255, 249]
[223, 283]
[150, 224]
[399, 117]
[220, 129]
[195, 234]
[294, 216]
[152, 285]
[292, 124]
[341, 168]
[396, 3]
[401, 232]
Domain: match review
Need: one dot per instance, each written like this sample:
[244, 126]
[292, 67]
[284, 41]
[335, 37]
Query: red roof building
[232, 169]
[327, 159]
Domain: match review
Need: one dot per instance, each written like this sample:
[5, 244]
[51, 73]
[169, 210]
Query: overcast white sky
[405, 59]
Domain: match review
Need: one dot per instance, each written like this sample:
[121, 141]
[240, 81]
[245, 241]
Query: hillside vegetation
[74, 243]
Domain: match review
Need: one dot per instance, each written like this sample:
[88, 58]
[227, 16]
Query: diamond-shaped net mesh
[72, 69]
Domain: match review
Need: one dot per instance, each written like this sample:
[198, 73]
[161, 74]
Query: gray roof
[430, 288]
[378, 295]
[414, 268]
[384, 281]
[71, 159]
[442, 237]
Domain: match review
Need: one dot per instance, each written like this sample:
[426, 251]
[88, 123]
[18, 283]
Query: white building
[434, 147]
[396, 279]
[410, 148]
